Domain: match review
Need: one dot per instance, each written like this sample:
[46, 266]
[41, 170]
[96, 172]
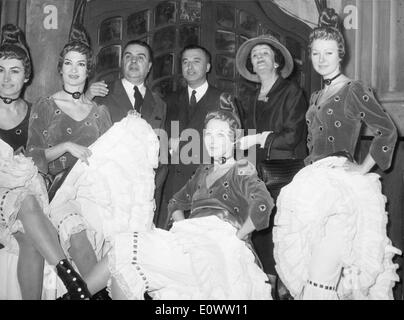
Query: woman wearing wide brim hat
[277, 113]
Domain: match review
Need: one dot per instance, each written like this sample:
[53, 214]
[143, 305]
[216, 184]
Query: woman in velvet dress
[25, 230]
[202, 257]
[61, 128]
[332, 216]
[277, 113]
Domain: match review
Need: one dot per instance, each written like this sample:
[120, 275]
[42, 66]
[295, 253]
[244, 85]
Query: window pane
[165, 13]
[224, 66]
[249, 23]
[225, 16]
[188, 35]
[190, 11]
[164, 39]
[225, 41]
[108, 58]
[110, 30]
[163, 66]
[138, 24]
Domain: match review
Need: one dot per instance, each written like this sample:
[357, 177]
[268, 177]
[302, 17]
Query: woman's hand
[173, 145]
[247, 142]
[245, 229]
[78, 151]
[178, 215]
[363, 168]
[97, 89]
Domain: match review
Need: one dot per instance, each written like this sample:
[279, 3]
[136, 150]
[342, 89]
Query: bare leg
[40, 230]
[29, 268]
[82, 253]
[116, 291]
[98, 278]
[326, 264]
[41, 234]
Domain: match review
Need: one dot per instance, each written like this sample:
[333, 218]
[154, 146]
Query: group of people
[218, 232]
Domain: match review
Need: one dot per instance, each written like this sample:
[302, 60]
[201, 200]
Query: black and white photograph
[202, 154]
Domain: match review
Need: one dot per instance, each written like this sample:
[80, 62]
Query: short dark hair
[196, 46]
[142, 44]
[278, 57]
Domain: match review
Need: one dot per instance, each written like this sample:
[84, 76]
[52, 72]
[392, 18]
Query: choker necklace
[76, 95]
[8, 100]
[327, 82]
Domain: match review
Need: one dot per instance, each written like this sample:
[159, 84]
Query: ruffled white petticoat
[18, 178]
[115, 192]
[326, 202]
[198, 258]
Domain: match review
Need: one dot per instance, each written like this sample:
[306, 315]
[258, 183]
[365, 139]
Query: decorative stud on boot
[74, 283]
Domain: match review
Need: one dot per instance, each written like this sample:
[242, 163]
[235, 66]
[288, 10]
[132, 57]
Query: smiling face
[218, 139]
[136, 63]
[74, 69]
[325, 57]
[195, 66]
[12, 77]
[263, 59]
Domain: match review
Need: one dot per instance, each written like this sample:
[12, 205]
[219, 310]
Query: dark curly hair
[328, 29]
[79, 41]
[14, 46]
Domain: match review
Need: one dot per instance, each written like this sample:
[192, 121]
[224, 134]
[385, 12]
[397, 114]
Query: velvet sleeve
[39, 122]
[104, 119]
[182, 200]
[309, 120]
[260, 202]
[361, 104]
[293, 126]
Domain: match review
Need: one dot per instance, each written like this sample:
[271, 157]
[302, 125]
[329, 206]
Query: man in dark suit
[131, 93]
[187, 111]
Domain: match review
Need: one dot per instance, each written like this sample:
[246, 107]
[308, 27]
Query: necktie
[192, 101]
[138, 99]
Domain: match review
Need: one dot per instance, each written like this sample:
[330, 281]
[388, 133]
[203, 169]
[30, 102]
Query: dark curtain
[78, 12]
[13, 11]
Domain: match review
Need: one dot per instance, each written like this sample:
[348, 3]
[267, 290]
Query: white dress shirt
[200, 91]
[131, 92]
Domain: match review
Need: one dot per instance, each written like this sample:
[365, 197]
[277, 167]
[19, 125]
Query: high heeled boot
[74, 283]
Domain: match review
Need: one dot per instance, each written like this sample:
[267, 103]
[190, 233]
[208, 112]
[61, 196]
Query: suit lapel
[148, 105]
[122, 97]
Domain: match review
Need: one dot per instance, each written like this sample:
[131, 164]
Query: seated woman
[24, 201]
[61, 128]
[202, 257]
